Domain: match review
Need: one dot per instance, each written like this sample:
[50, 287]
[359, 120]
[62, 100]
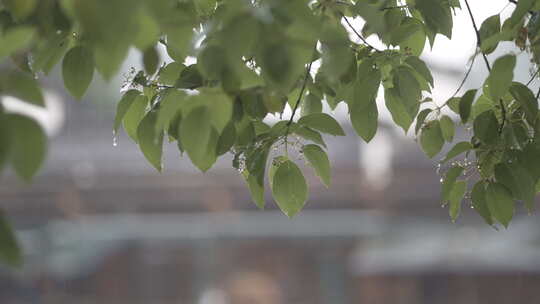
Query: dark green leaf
[486, 128]
[527, 101]
[226, 139]
[151, 60]
[465, 104]
[518, 181]
[501, 76]
[479, 202]
[10, 253]
[500, 203]
[431, 138]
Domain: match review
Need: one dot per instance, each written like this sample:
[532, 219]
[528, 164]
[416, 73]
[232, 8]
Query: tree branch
[462, 81]
[478, 39]
[358, 34]
[478, 44]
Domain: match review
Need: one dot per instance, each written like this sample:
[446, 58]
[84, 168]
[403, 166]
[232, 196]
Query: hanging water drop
[441, 180]
[115, 139]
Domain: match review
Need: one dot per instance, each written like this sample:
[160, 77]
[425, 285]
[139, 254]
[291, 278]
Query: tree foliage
[254, 58]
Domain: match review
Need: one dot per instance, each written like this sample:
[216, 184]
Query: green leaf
[448, 182]
[431, 138]
[226, 139]
[420, 67]
[256, 189]
[15, 39]
[10, 253]
[400, 115]
[170, 73]
[447, 128]
[28, 145]
[421, 119]
[170, 107]
[501, 76]
[48, 52]
[22, 86]
[486, 128]
[123, 106]
[407, 86]
[527, 101]
[322, 122]
[311, 104]
[151, 60]
[363, 108]
[365, 120]
[437, 16]
[465, 104]
[455, 198]
[310, 134]
[319, 161]
[134, 115]
[518, 181]
[195, 131]
[150, 143]
[500, 203]
[289, 188]
[522, 8]
[21, 8]
[457, 149]
[479, 202]
[416, 42]
[490, 27]
[78, 70]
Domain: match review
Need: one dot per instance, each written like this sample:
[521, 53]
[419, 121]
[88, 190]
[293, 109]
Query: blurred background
[99, 225]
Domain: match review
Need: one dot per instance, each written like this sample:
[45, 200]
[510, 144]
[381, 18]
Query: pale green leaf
[319, 161]
[289, 188]
[150, 142]
[78, 70]
[322, 122]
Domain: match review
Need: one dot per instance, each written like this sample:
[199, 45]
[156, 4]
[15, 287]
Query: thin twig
[533, 77]
[465, 77]
[306, 78]
[358, 34]
[308, 69]
[478, 39]
[478, 44]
